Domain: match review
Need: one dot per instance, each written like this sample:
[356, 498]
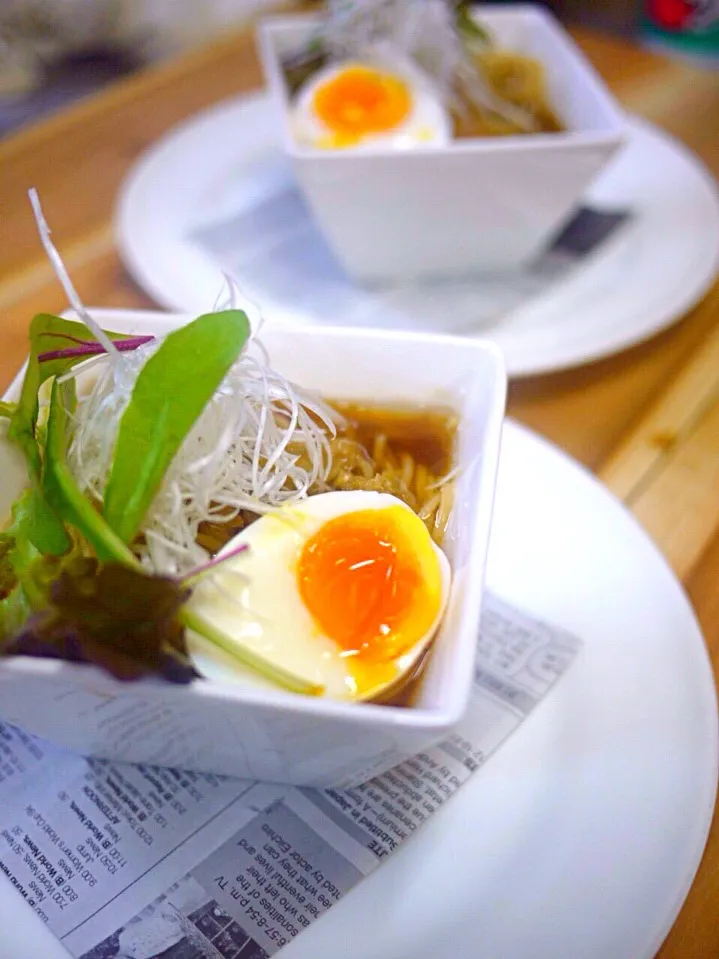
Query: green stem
[107, 543]
[34, 595]
[258, 664]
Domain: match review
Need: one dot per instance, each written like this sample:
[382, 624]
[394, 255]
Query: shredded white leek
[260, 443]
[426, 32]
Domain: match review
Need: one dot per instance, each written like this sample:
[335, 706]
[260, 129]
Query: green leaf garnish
[7, 409]
[22, 566]
[118, 618]
[18, 553]
[75, 608]
[24, 572]
[171, 391]
[61, 490]
[105, 609]
[46, 332]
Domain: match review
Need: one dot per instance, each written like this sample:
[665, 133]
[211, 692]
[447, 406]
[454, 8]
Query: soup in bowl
[380, 152]
[322, 530]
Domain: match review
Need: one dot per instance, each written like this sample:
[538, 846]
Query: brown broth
[427, 434]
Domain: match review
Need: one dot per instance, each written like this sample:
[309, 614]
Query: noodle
[518, 80]
[407, 453]
[491, 90]
[412, 464]
[395, 473]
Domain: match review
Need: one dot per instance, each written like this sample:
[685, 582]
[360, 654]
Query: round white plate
[225, 167]
[581, 837]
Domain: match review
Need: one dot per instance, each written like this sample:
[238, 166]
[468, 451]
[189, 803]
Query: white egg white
[254, 598]
[428, 124]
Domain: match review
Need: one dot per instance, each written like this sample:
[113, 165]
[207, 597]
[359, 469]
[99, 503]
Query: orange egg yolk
[361, 101]
[372, 582]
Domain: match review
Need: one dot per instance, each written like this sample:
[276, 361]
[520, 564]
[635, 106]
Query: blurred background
[54, 52]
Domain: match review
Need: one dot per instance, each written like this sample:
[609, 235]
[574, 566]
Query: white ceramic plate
[225, 166]
[581, 837]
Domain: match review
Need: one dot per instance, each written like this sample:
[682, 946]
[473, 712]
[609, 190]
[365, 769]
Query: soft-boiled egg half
[363, 105]
[345, 590]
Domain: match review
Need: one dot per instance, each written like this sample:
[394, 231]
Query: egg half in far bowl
[361, 105]
[346, 589]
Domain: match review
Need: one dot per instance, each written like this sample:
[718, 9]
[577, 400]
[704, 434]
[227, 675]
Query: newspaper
[272, 246]
[141, 862]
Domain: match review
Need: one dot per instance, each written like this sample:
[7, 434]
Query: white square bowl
[483, 205]
[279, 736]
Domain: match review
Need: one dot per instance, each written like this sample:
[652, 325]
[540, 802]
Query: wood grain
[646, 421]
[667, 425]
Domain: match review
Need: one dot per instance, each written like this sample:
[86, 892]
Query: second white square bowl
[476, 205]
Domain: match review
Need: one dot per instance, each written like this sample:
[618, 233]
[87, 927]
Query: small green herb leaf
[7, 409]
[47, 332]
[170, 393]
[25, 574]
[45, 529]
[20, 554]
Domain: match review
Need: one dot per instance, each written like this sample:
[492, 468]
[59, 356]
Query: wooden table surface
[647, 422]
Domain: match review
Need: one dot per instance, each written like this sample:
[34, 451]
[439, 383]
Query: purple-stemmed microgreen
[73, 583]
[90, 348]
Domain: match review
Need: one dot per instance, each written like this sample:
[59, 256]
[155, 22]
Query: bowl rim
[373, 715]
[612, 134]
